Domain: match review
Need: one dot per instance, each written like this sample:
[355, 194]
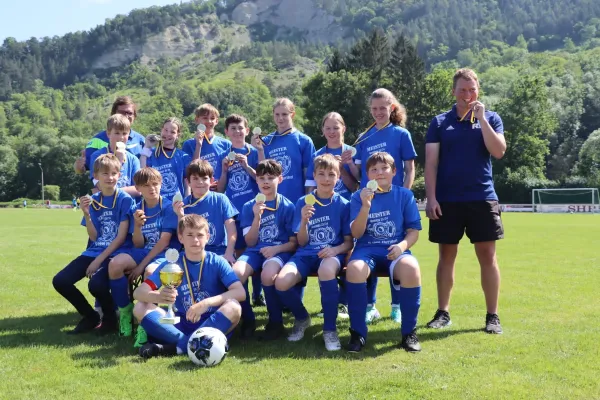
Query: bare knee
[486, 254]
[407, 271]
[357, 271]
[269, 273]
[140, 309]
[328, 269]
[242, 270]
[286, 279]
[232, 310]
[447, 253]
[118, 265]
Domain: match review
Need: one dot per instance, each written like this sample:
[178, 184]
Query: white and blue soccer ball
[207, 347]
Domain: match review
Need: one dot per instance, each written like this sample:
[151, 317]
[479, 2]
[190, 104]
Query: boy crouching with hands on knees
[209, 295]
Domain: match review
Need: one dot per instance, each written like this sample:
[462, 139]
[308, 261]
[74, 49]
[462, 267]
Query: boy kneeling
[385, 222]
[322, 226]
[208, 296]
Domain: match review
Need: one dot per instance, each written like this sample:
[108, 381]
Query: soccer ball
[207, 347]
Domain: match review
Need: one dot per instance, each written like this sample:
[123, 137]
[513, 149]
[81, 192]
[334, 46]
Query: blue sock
[119, 288]
[395, 293]
[343, 298]
[329, 293]
[357, 307]
[410, 302]
[300, 290]
[256, 286]
[273, 304]
[219, 321]
[372, 290]
[166, 333]
[291, 299]
[247, 313]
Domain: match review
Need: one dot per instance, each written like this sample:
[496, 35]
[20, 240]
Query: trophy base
[169, 321]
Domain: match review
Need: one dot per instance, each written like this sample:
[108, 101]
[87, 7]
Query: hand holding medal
[256, 139]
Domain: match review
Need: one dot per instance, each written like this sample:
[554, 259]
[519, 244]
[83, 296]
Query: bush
[52, 192]
[418, 188]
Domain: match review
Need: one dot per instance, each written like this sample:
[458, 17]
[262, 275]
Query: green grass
[549, 311]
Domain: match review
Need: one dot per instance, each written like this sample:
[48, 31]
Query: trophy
[171, 275]
[310, 199]
[372, 184]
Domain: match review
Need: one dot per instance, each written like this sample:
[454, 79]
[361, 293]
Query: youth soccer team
[276, 211]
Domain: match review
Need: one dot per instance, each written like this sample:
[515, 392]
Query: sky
[23, 19]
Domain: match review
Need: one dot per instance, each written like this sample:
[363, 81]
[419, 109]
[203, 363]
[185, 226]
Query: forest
[538, 62]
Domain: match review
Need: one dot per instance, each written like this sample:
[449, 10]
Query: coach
[460, 192]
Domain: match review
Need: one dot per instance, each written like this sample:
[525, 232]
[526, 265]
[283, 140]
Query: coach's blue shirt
[294, 152]
[217, 276]
[134, 145]
[340, 188]
[210, 152]
[394, 140]
[390, 215]
[276, 227]
[217, 209]
[465, 166]
[328, 225]
[171, 169]
[107, 218]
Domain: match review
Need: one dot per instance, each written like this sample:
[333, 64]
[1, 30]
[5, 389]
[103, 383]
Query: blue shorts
[187, 328]
[376, 259]
[240, 242]
[309, 264]
[256, 260]
[138, 255]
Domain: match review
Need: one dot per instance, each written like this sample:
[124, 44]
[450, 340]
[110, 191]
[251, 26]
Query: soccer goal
[572, 200]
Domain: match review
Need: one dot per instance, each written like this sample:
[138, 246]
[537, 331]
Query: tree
[528, 122]
[589, 155]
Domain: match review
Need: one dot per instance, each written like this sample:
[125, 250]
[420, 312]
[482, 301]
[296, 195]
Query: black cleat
[492, 324]
[259, 301]
[356, 342]
[410, 342]
[108, 326]
[273, 331]
[247, 329]
[87, 324]
[150, 350]
[441, 319]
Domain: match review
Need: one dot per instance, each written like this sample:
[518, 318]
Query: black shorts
[481, 221]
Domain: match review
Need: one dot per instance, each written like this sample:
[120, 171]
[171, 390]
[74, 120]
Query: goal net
[576, 200]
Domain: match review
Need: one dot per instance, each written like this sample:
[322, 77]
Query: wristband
[146, 152]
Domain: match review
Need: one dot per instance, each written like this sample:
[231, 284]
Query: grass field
[549, 310]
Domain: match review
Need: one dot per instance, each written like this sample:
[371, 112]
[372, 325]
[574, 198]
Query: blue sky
[23, 19]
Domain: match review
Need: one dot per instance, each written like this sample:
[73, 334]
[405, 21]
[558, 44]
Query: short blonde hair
[326, 162]
[147, 176]
[192, 221]
[206, 109]
[118, 122]
[381, 157]
[107, 162]
[285, 102]
[466, 74]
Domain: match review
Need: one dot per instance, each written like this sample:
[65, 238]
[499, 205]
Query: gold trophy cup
[171, 276]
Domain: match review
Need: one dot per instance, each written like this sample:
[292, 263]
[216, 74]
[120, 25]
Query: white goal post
[571, 200]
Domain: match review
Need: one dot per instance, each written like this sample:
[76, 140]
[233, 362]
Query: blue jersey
[328, 225]
[116, 209]
[241, 187]
[276, 227]
[210, 152]
[171, 169]
[159, 219]
[394, 140]
[217, 277]
[294, 152]
[340, 188]
[216, 208]
[465, 167]
[391, 214]
[128, 168]
[134, 145]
